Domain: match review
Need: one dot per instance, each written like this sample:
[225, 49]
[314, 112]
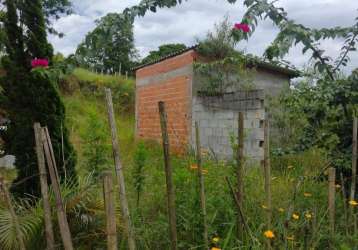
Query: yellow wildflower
[308, 215]
[307, 194]
[281, 210]
[269, 234]
[216, 239]
[290, 237]
[215, 248]
[353, 203]
[295, 216]
[194, 166]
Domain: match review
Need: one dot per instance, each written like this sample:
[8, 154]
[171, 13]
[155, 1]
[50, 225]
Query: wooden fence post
[50, 239]
[201, 185]
[331, 202]
[110, 211]
[168, 175]
[19, 235]
[119, 172]
[240, 169]
[267, 168]
[344, 198]
[61, 214]
[354, 161]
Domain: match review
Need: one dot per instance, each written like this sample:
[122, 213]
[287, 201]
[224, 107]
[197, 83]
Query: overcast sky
[191, 20]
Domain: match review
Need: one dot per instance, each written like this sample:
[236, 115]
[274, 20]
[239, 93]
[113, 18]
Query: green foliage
[163, 50]
[36, 36]
[93, 84]
[53, 9]
[223, 67]
[220, 43]
[32, 96]
[30, 222]
[140, 158]
[327, 109]
[292, 34]
[96, 150]
[110, 46]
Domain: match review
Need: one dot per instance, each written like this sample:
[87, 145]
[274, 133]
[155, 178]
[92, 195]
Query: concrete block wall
[219, 126]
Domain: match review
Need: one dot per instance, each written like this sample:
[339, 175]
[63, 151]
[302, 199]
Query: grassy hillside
[87, 112]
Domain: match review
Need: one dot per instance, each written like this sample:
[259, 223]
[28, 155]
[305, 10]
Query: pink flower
[242, 26]
[39, 63]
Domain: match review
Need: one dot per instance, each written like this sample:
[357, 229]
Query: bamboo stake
[110, 211]
[119, 172]
[354, 162]
[331, 201]
[201, 185]
[240, 169]
[61, 214]
[50, 239]
[13, 215]
[267, 169]
[168, 175]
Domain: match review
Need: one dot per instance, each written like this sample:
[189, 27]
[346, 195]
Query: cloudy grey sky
[191, 20]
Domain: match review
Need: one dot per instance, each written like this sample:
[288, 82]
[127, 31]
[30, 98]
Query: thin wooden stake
[119, 172]
[344, 199]
[354, 162]
[240, 169]
[110, 211]
[241, 213]
[331, 202]
[267, 168]
[61, 214]
[15, 219]
[50, 239]
[201, 185]
[168, 175]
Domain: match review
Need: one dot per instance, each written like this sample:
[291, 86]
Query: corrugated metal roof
[258, 63]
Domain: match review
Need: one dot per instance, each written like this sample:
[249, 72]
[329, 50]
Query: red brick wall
[175, 92]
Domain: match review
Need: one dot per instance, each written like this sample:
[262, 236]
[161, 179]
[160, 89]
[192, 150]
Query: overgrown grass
[299, 186]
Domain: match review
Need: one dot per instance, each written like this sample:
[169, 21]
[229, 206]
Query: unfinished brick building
[172, 79]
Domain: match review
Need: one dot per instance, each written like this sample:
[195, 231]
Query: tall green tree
[53, 9]
[163, 50]
[31, 96]
[110, 46]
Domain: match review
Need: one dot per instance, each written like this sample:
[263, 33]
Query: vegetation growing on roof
[163, 50]
[222, 67]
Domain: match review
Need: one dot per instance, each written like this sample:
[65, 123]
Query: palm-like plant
[30, 223]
